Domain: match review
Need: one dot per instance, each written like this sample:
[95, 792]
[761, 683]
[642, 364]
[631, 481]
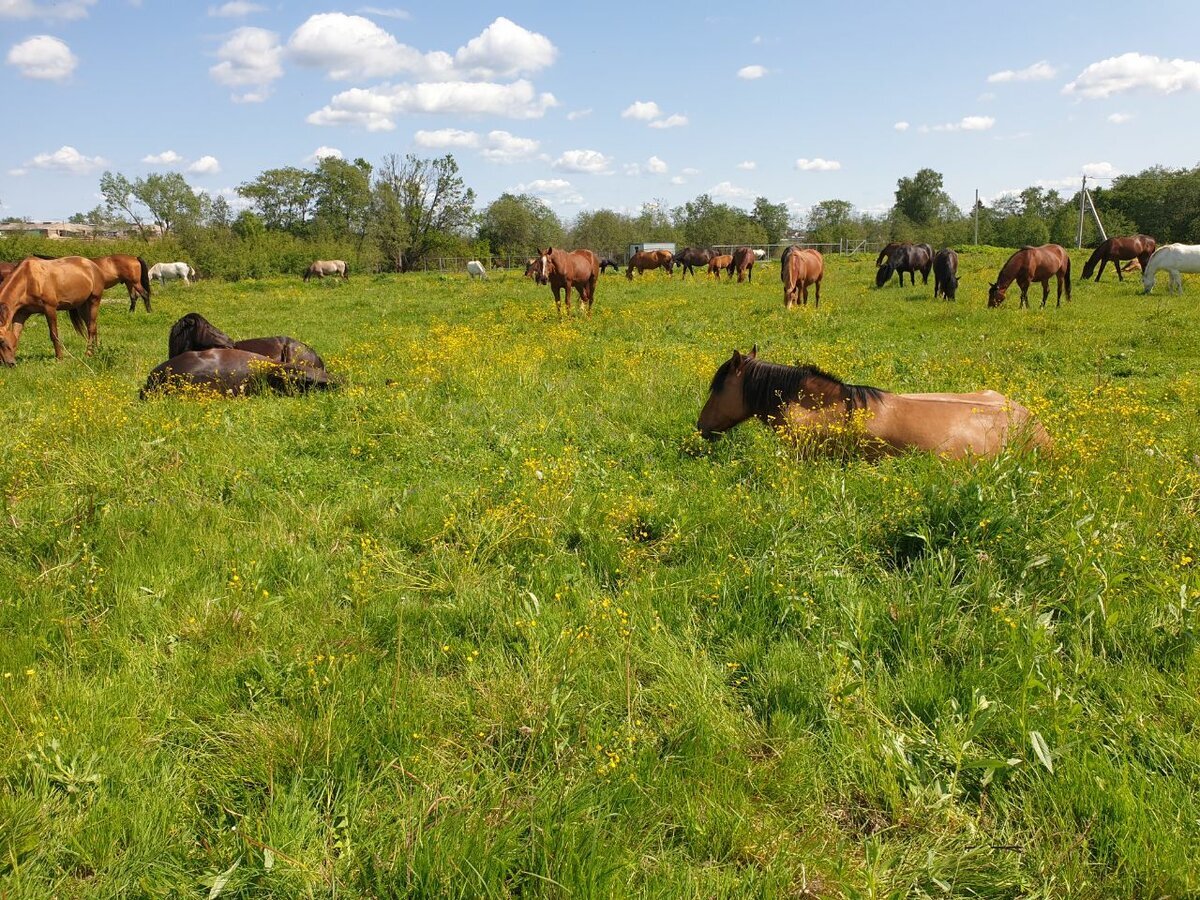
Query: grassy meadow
[492, 620]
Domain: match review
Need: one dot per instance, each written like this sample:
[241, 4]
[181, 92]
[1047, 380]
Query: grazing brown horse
[608, 262]
[743, 263]
[1118, 249]
[563, 269]
[645, 260]
[534, 270]
[718, 264]
[44, 286]
[1030, 264]
[690, 257]
[945, 274]
[807, 403]
[194, 332]
[234, 372]
[887, 251]
[910, 258]
[323, 267]
[6, 269]
[798, 268]
[131, 271]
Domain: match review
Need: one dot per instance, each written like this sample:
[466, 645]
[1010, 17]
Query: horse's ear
[754, 352]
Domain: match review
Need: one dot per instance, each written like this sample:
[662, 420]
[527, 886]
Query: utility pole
[976, 217]
[1082, 200]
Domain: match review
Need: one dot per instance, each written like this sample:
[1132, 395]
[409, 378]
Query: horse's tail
[1090, 265]
[1068, 276]
[346, 270]
[144, 277]
[78, 321]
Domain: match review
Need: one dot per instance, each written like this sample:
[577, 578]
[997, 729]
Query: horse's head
[545, 265]
[995, 296]
[726, 404]
[883, 274]
[8, 347]
[951, 287]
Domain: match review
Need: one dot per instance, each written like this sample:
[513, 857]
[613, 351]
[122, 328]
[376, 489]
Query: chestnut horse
[807, 403]
[235, 372]
[131, 271]
[194, 332]
[44, 286]
[1030, 264]
[743, 262]
[6, 269]
[719, 263]
[651, 259]
[1118, 249]
[578, 269]
[798, 268]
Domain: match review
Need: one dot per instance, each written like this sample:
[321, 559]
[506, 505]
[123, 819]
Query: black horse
[233, 372]
[689, 257]
[194, 332]
[606, 262]
[910, 258]
[945, 274]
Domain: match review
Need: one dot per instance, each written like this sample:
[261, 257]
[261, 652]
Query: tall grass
[492, 620]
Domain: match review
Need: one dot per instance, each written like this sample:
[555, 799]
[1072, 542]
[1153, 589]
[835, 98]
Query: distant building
[63, 230]
[640, 248]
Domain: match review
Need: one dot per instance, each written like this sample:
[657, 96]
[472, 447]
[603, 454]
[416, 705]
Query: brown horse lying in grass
[131, 271]
[194, 332]
[1030, 264]
[798, 268]
[815, 406]
[233, 372]
[45, 286]
[1138, 247]
[578, 269]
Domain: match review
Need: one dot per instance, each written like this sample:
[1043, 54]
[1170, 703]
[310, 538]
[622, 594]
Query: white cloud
[966, 123]
[678, 179]
[502, 147]
[747, 165]
[1132, 71]
[590, 162]
[43, 57]
[1039, 71]
[901, 126]
[751, 72]
[642, 111]
[236, 9]
[393, 12]
[250, 59]
[656, 166]
[444, 138]
[59, 9]
[1100, 170]
[575, 114]
[1119, 118]
[205, 165]
[689, 172]
[166, 158]
[817, 165]
[672, 121]
[68, 160]
[376, 109]
[728, 191]
[555, 190]
[324, 152]
[350, 47]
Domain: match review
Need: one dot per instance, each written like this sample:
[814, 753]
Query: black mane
[767, 386]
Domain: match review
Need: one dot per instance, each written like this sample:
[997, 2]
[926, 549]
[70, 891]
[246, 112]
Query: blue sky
[799, 102]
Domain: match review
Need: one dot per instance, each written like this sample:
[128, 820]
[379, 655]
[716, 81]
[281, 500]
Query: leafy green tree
[831, 221]
[342, 196]
[220, 213]
[170, 199]
[773, 218]
[388, 228]
[437, 206]
[248, 226]
[603, 231]
[118, 194]
[706, 223]
[922, 200]
[517, 224]
[283, 198]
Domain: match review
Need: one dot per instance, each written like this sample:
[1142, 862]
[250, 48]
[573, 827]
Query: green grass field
[492, 620]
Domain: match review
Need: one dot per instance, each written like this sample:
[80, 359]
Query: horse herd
[796, 399]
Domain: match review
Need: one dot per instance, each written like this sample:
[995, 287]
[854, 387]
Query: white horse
[476, 270]
[759, 254]
[165, 272]
[323, 267]
[1175, 258]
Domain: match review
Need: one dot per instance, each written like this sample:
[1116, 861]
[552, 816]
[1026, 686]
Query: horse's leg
[52, 324]
[1103, 263]
[1059, 280]
[93, 316]
[1120, 272]
[818, 303]
[558, 301]
[1045, 292]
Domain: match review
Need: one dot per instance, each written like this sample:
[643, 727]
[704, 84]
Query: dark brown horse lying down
[234, 372]
[194, 332]
[806, 402]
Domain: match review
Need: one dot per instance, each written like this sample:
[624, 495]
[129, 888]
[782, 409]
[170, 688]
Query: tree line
[407, 210]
